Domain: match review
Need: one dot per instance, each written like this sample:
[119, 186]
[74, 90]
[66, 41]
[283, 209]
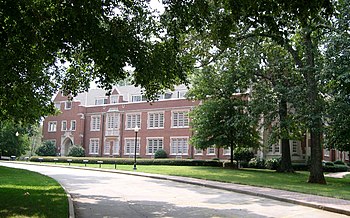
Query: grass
[337, 188]
[28, 194]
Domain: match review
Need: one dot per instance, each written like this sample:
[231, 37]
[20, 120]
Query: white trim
[65, 105]
[49, 125]
[98, 145]
[172, 119]
[71, 124]
[64, 121]
[157, 113]
[179, 137]
[126, 121]
[98, 124]
[132, 146]
[147, 144]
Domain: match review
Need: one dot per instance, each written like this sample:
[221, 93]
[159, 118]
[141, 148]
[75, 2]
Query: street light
[136, 129]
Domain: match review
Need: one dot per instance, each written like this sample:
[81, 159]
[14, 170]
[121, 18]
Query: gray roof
[88, 98]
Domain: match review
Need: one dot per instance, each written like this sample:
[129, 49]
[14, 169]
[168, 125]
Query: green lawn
[29, 194]
[338, 188]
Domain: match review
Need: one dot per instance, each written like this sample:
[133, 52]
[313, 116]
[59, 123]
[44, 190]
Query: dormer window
[114, 99]
[138, 98]
[100, 101]
[68, 105]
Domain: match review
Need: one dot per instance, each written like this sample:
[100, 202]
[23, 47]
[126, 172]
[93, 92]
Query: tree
[336, 75]
[13, 139]
[48, 148]
[48, 45]
[223, 118]
[294, 25]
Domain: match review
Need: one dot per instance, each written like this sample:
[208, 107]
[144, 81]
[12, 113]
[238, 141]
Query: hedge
[130, 161]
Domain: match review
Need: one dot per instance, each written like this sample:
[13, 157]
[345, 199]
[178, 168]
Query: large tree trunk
[286, 161]
[314, 114]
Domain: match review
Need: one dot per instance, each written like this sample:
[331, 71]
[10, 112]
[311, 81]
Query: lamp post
[136, 129]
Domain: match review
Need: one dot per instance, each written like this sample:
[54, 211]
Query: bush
[257, 163]
[130, 161]
[76, 151]
[47, 149]
[273, 164]
[339, 162]
[160, 153]
[227, 164]
[243, 154]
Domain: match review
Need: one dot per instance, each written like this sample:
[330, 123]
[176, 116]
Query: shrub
[257, 163]
[243, 154]
[273, 164]
[47, 149]
[130, 161]
[76, 151]
[160, 153]
[227, 164]
[339, 162]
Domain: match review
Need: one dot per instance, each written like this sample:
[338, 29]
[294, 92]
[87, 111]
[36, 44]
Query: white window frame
[177, 123]
[94, 145]
[64, 125]
[107, 148]
[114, 99]
[294, 146]
[73, 123]
[227, 151]
[100, 100]
[116, 147]
[58, 105]
[138, 98]
[155, 120]
[52, 126]
[68, 105]
[135, 119]
[179, 139]
[112, 121]
[326, 152]
[154, 148]
[130, 145]
[211, 148]
[94, 124]
[197, 151]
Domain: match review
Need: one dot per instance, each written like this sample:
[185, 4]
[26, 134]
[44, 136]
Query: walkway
[329, 204]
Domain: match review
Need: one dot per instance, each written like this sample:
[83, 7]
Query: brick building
[104, 125]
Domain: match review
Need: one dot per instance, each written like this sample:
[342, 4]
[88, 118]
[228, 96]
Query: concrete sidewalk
[319, 202]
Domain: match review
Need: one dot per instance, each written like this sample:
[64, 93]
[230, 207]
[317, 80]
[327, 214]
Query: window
[271, 148]
[179, 146]
[211, 150]
[114, 99]
[112, 120]
[168, 95]
[52, 126]
[129, 148]
[64, 125]
[107, 148]
[68, 105]
[156, 120]
[132, 120]
[58, 105]
[294, 146]
[93, 146]
[115, 147]
[181, 94]
[95, 123]
[326, 152]
[100, 101]
[138, 98]
[277, 148]
[227, 151]
[198, 151]
[180, 119]
[154, 144]
[73, 125]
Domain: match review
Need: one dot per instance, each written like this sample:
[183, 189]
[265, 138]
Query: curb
[209, 184]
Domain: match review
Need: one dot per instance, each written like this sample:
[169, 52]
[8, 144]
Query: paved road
[103, 194]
